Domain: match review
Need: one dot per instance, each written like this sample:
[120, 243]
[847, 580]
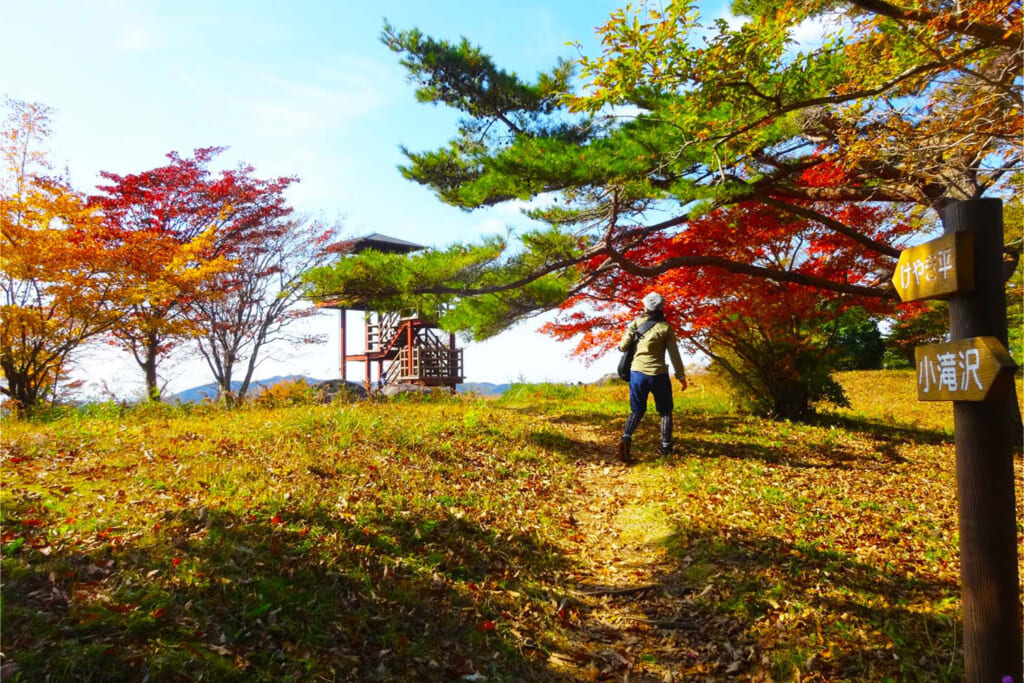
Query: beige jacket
[650, 351]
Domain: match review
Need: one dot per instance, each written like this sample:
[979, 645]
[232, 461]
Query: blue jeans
[641, 385]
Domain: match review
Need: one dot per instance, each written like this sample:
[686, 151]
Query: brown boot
[624, 454]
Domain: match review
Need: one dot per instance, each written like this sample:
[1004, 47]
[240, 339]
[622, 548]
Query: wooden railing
[380, 331]
[437, 364]
[395, 368]
[433, 362]
[430, 360]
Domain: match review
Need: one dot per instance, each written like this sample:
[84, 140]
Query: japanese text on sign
[941, 267]
[962, 370]
[951, 371]
[937, 265]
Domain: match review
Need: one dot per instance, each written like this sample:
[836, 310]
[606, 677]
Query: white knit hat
[653, 302]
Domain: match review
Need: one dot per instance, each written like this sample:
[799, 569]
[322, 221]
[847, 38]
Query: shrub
[519, 392]
[289, 393]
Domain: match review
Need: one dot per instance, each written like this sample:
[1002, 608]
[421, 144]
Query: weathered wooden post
[366, 345]
[984, 463]
[974, 370]
[344, 356]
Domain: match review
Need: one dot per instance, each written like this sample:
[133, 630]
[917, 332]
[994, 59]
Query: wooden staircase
[411, 351]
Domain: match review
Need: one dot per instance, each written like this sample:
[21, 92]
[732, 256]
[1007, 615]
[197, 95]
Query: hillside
[462, 538]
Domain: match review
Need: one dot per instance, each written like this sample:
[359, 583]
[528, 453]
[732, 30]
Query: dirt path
[632, 613]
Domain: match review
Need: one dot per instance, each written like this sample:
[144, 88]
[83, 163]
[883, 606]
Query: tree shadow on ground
[707, 435]
[726, 436]
[318, 596]
[742, 606]
[885, 431]
[573, 449]
[831, 457]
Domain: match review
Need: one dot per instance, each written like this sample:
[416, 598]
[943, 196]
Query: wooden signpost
[936, 269]
[974, 372]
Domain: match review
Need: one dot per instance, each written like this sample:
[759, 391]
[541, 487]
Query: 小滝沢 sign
[935, 269]
[962, 370]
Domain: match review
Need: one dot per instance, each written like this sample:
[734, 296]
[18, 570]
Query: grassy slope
[450, 537]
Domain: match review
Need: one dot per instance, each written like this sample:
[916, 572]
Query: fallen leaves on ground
[462, 538]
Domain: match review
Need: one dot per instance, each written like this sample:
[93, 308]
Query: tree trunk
[149, 369]
[244, 388]
[257, 344]
[250, 368]
[984, 463]
[226, 393]
[19, 390]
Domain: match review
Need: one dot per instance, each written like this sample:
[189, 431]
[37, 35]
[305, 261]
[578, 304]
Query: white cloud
[272, 118]
[809, 34]
[731, 19]
[134, 39]
[625, 111]
[489, 227]
[523, 353]
[186, 79]
[328, 99]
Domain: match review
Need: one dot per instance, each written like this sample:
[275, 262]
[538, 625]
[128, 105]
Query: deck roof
[377, 241]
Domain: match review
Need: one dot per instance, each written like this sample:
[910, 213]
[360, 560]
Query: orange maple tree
[57, 281]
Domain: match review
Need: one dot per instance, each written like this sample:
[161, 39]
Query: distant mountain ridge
[256, 386]
[483, 388]
[208, 392]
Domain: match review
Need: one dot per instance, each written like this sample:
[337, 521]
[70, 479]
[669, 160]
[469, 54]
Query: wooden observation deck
[405, 348]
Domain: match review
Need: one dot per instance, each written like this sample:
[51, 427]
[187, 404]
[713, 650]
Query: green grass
[429, 539]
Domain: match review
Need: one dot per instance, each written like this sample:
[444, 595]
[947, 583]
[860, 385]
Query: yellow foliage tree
[55, 278]
[66, 276]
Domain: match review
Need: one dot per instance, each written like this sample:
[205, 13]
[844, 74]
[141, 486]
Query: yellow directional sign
[935, 269]
[962, 370]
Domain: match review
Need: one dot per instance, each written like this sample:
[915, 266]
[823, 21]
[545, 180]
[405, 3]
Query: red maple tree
[773, 339]
[185, 225]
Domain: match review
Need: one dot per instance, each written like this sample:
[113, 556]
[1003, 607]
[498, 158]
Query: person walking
[649, 372]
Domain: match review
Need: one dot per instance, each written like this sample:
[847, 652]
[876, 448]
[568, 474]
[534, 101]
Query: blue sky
[302, 88]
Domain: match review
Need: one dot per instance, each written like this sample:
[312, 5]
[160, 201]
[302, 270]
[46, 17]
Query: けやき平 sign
[938, 268]
[961, 370]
